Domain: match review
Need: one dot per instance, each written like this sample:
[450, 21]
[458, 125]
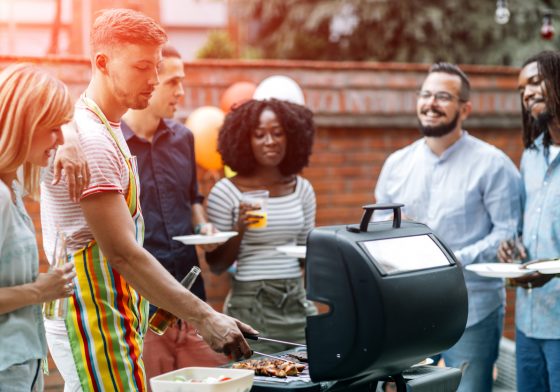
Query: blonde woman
[33, 107]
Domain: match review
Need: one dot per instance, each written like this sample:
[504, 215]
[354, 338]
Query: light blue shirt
[22, 334]
[537, 311]
[470, 197]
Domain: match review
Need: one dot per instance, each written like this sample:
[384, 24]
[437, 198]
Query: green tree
[218, 46]
[461, 31]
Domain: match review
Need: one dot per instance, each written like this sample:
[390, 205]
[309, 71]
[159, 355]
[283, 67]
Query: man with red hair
[99, 345]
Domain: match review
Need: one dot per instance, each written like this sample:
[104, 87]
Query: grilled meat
[271, 367]
[300, 356]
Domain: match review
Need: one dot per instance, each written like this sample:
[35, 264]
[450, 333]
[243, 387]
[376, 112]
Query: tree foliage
[461, 31]
[217, 46]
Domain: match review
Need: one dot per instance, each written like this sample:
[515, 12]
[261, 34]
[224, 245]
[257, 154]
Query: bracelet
[199, 227]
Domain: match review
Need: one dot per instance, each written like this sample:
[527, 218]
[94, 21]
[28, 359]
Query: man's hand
[508, 250]
[70, 158]
[532, 281]
[225, 334]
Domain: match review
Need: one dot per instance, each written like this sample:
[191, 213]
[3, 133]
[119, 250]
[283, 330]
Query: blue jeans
[538, 363]
[26, 376]
[475, 353]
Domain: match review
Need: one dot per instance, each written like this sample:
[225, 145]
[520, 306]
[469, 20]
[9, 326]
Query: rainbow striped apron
[107, 318]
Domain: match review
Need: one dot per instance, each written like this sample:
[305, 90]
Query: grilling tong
[260, 338]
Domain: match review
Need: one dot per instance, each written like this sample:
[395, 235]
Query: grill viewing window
[394, 255]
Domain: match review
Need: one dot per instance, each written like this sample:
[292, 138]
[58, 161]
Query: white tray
[293, 251]
[546, 267]
[497, 270]
[241, 380]
[202, 239]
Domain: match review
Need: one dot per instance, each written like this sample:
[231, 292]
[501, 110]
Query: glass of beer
[259, 201]
[56, 309]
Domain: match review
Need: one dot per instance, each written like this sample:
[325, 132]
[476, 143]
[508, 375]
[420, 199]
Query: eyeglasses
[442, 97]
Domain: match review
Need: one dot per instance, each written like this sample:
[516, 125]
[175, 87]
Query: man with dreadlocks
[537, 312]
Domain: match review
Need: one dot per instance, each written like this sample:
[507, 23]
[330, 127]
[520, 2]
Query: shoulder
[304, 184]
[485, 152]
[224, 186]
[223, 193]
[179, 129]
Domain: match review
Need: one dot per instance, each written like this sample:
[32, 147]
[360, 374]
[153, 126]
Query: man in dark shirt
[171, 205]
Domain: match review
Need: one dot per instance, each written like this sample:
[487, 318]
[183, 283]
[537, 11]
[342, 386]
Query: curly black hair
[234, 140]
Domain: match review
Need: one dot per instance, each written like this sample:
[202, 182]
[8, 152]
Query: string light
[502, 13]
[502, 16]
[547, 29]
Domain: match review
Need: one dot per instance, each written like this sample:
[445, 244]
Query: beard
[439, 130]
[542, 121]
[127, 99]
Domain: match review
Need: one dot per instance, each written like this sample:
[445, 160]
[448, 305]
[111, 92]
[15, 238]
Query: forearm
[15, 297]
[225, 255]
[112, 227]
[143, 272]
[484, 250]
[70, 133]
[198, 216]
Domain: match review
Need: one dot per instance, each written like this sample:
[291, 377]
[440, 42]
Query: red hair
[125, 26]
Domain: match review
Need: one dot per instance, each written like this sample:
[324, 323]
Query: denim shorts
[26, 376]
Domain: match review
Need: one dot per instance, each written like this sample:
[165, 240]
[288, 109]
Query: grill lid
[396, 295]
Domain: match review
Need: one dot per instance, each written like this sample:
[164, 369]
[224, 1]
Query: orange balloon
[236, 94]
[205, 123]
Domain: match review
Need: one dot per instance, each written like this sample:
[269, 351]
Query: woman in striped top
[266, 143]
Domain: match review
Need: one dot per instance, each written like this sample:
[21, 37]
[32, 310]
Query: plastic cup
[57, 309]
[259, 201]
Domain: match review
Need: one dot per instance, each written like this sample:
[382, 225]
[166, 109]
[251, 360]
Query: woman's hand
[57, 283]
[70, 158]
[208, 229]
[246, 219]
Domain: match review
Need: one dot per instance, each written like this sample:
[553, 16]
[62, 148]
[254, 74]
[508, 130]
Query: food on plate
[271, 367]
[207, 380]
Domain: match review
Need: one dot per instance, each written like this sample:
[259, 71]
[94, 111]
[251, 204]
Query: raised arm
[502, 197]
[70, 159]
[224, 255]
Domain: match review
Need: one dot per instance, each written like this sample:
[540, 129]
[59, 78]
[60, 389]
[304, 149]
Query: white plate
[546, 267]
[201, 239]
[427, 361]
[293, 251]
[497, 270]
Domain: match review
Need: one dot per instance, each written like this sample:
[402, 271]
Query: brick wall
[364, 111]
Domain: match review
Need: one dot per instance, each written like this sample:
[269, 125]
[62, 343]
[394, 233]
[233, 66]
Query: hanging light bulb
[547, 29]
[502, 13]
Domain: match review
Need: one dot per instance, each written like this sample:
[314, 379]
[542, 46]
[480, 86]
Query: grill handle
[368, 213]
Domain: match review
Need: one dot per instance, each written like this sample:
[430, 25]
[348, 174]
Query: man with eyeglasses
[468, 192]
